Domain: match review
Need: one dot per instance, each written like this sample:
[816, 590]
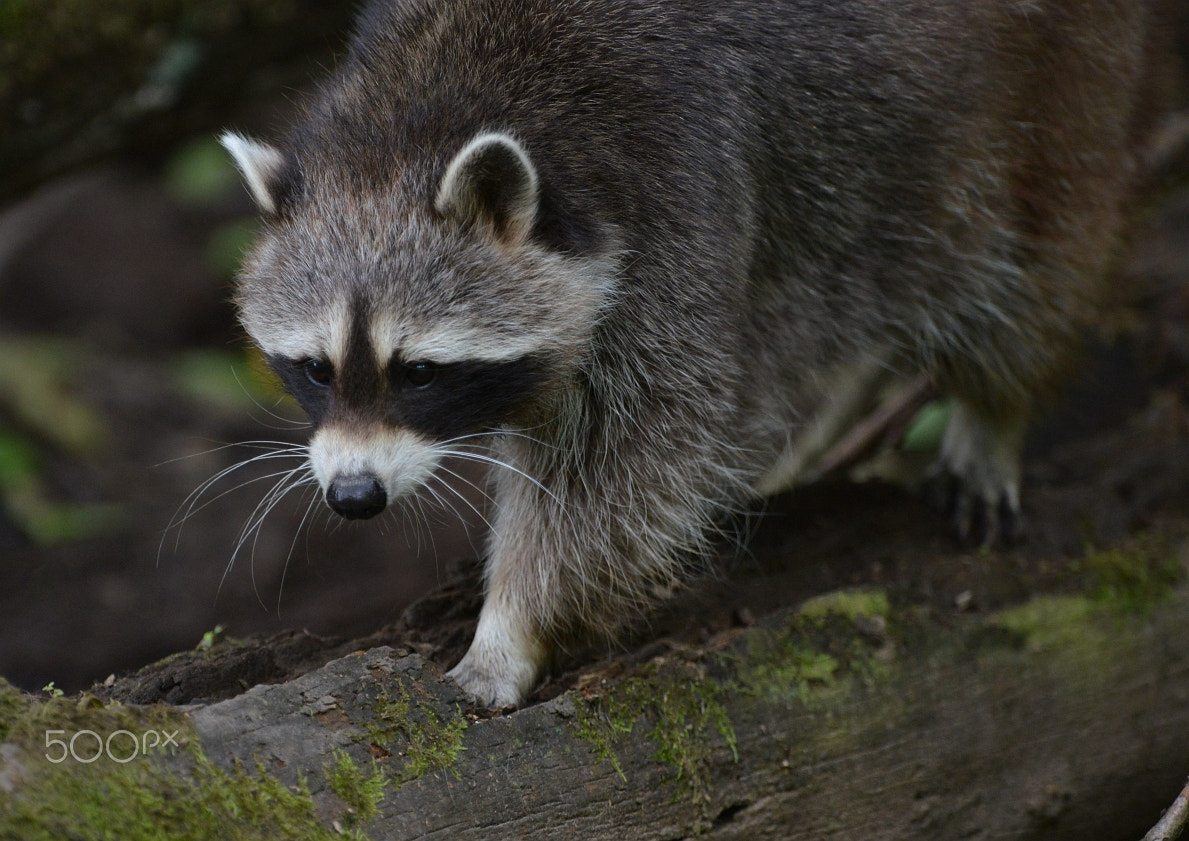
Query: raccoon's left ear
[493, 182]
[264, 170]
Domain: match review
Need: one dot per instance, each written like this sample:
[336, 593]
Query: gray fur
[690, 217]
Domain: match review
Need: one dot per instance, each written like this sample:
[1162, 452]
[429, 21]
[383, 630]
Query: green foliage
[26, 501]
[41, 398]
[227, 246]
[210, 638]
[220, 378]
[200, 172]
[41, 392]
[19, 467]
[928, 426]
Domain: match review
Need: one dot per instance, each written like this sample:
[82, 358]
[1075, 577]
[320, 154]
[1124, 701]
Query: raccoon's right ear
[265, 169]
[493, 182]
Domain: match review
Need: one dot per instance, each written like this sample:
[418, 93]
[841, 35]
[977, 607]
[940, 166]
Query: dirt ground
[82, 269]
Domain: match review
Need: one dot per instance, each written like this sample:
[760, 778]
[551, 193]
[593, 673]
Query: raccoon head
[406, 318]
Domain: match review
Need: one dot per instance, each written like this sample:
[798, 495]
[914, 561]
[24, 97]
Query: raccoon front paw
[976, 478]
[500, 668]
[490, 687]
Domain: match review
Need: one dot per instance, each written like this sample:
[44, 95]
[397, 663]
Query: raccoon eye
[418, 374]
[318, 371]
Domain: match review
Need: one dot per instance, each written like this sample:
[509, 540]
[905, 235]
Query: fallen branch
[1170, 827]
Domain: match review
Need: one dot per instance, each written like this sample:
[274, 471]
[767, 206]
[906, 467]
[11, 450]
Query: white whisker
[290, 423]
[313, 501]
[460, 495]
[495, 462]
[190, 505]
[251, 526]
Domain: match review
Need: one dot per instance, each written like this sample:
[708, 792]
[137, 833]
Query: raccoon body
[628, 246]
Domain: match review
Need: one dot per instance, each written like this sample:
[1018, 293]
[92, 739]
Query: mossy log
[1064, 717]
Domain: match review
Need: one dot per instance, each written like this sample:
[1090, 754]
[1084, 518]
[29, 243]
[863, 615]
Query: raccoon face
[381, 428]
[405, 329]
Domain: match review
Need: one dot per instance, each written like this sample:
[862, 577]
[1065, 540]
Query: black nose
[356, 497]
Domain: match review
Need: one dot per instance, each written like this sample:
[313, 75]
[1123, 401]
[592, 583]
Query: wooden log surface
[1058, 719]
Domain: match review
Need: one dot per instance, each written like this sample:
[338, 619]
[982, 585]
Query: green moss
[820, 650]
[781, 669]
[848, 604]
[1119, 585]
[1133, 579]
[425, 740]
[602, 724]
[78, 802]
[363, 794]
[12, 706]
[1123, 583]
[689, 715]
[1047, 623]
[683, 710]
[153, 797]
[25, 719]
[823, 650]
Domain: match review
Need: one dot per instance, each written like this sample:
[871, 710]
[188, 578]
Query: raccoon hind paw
[976, 479]
[978, 518]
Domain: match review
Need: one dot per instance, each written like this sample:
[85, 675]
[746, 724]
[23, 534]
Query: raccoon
[637, 254]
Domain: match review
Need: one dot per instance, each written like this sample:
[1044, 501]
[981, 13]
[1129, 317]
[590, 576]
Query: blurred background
[125, 384]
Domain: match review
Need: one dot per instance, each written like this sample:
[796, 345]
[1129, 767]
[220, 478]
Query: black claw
[976, 521]
[1011, 522]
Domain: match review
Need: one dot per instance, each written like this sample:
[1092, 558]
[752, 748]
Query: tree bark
[1055, 720]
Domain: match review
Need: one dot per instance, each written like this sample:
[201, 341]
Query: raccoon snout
[356, 497]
